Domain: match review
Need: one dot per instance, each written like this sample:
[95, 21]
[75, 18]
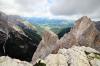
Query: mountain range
[33, 38]
[20, 34]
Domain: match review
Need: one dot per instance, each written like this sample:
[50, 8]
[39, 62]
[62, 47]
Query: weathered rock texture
[74, 56]
[83, 33]
[13, 43]
[3, 31]
[56, 60]
[46, 46]
[7, 61]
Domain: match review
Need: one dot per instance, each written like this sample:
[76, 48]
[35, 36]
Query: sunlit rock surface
[56, 60]
[84, 33]
[7, 61]
[46, 46]
[74, 56]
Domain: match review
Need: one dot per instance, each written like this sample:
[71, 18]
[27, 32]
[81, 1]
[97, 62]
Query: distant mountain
[56, 25]
[98, 25]
[49, 22]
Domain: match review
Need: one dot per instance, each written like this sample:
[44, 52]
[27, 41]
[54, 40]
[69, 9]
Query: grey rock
[84, 33]
[74, 56]
[46, 46]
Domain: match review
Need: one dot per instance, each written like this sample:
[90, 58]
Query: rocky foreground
[74, 56]
[7, 61]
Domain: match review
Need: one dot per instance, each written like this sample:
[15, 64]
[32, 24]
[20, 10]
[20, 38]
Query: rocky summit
[84, 33]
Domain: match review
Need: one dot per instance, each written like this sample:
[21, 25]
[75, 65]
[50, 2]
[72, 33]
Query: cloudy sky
[52, 8]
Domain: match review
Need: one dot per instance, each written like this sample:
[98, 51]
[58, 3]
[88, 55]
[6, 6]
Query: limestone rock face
[3, 17]
[46, 46]
[83, 33]
[3, 23]
[77, 56]
[74, 56]
[13, 43]
[3, 31]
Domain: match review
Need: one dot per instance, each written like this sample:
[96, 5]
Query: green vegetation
[61, 31]
[93, 55]
[97, 56]
[32, 31]
[40, 64]
[36, 38]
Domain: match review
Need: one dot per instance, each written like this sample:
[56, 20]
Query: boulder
[56, 60]
[74, 56]
[7, 61]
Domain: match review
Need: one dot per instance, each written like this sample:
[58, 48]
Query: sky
[67, 9]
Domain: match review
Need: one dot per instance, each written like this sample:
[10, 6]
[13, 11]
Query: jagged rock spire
[46, 46]
[83, 33]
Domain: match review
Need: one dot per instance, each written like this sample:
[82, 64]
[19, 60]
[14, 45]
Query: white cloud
[25, 7]
[76, 7]
[52, 8]
[32, 5]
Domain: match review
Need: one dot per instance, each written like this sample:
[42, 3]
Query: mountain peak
[85, 17]
[83, 20]
[83, 33]
[3, 17]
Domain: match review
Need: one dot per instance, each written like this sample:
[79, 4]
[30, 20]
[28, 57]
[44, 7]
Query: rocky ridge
[84, 33]
[14, 42]
[46, 46]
